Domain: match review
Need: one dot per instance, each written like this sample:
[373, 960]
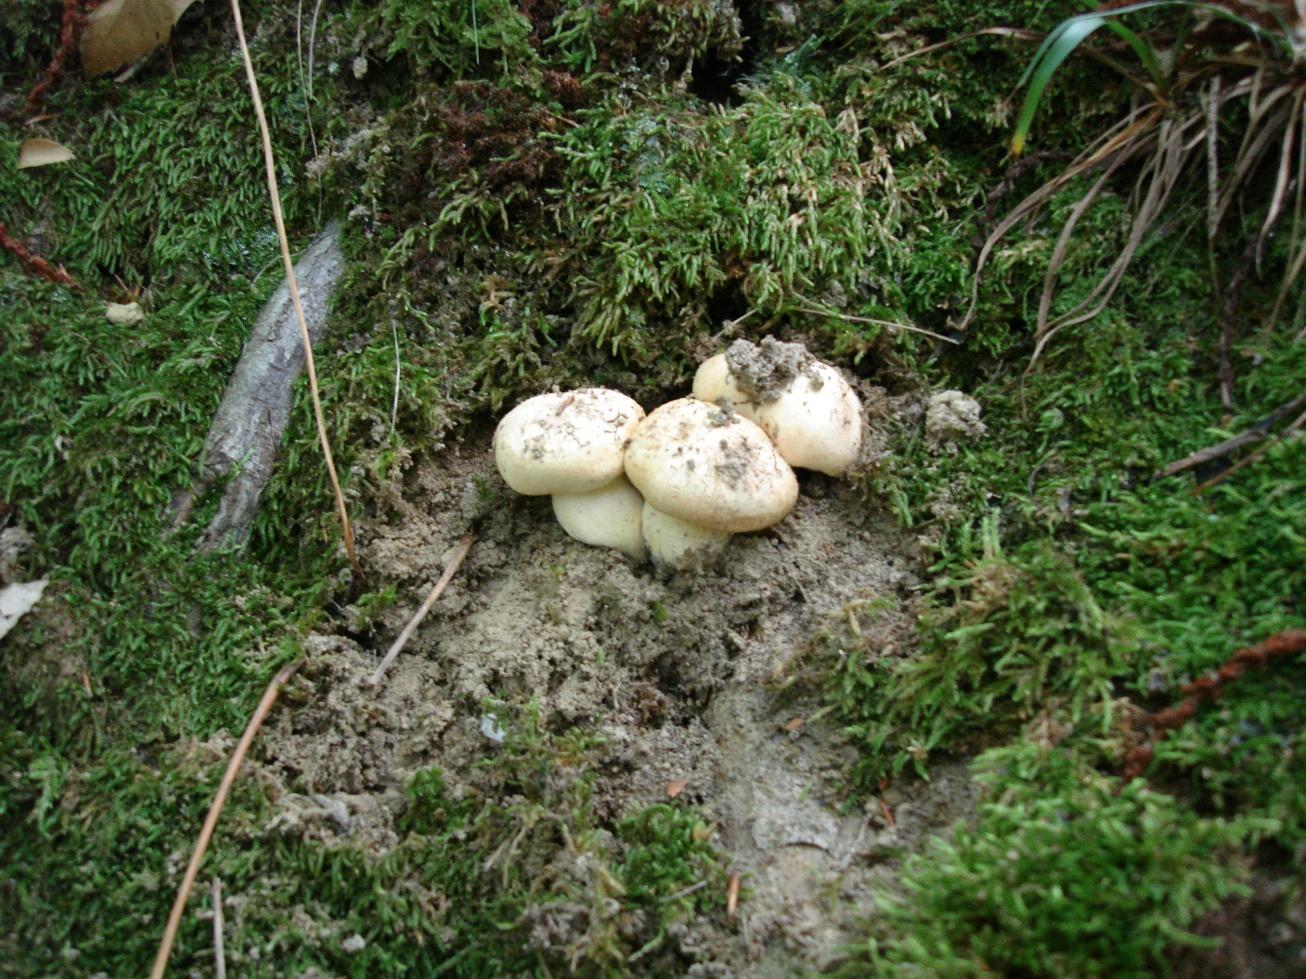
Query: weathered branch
[247, 429]
[1251, 436]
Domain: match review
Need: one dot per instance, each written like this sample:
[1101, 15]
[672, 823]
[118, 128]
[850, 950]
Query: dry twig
[1246, 461]
[459, 553]
[215, 810]
[270, 166]
[219, 952]
[1257, 433]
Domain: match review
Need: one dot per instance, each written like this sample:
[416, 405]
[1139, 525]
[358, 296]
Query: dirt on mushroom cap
[765, 371]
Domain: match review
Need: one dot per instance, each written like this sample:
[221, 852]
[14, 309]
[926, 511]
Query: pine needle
[211, 820]
[270, 165]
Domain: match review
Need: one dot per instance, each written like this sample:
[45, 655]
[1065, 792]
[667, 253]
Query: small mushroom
[565, 442]
[678, 545]
[806, 407]
[605, 517]
[710, 467]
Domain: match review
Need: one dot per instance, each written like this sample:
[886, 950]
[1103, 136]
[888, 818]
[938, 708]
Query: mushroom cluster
[675, 485]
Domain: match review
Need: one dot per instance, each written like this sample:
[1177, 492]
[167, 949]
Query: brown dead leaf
[675, 788]
[41, 153]
[120, 31]
[794, 724]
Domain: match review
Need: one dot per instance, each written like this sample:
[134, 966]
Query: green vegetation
[1093, 880]
[474, 887]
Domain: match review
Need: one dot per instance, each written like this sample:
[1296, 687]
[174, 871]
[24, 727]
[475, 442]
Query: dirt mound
[672, 671]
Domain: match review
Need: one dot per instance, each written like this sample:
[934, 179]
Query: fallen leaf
[675, 788]
[794, 724]
[120, 31]
[39, 152]
[16, 600]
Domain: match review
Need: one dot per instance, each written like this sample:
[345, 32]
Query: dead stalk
[459, 553]
[219, 953]
[270, 166]
[215, 810]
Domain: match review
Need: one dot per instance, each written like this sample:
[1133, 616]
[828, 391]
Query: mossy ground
[570, 192]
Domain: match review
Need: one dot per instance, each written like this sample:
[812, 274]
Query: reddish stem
[1209, 688]
[34, 264]
[74, 18]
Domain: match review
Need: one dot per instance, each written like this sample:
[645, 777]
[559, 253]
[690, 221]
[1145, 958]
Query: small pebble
[124, 314]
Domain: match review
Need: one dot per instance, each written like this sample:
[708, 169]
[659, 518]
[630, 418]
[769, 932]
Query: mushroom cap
[605, 517]
[817, 422]
[565, 442]
[675, 544]
[814, 417]
[713, 381]
[710, 467]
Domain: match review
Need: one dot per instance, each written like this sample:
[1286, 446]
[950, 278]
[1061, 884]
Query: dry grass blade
[211, 821]
[219, 951]
[1063, 240]
[815, 309]
[1282, 177]
[459, 553]
[270, 166]
[1119, 138]
[1163, 169]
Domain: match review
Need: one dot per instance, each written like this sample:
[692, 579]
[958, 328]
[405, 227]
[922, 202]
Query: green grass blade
[1064, 40]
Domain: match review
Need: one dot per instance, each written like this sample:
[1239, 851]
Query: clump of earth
[766, 369]
[676, 672]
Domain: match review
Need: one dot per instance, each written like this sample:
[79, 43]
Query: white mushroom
[606, 517]
[566, 442]
[806, 407]
[713, 382]
[675, 544]
[710, 467]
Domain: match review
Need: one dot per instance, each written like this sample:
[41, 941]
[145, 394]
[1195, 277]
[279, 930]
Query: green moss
[161, 204]
[662, 39]
[674, 205]
[450, 38]
[1062, 873]
[1004, 637]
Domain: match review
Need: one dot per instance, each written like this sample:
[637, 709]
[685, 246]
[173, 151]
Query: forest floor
[911, 730]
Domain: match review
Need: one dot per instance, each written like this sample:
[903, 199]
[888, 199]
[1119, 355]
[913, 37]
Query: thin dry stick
[293, 285]
[394, 407]
[1251, 457]
[813, 309]
[215, 810]
[459, 553]
[219, 954]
